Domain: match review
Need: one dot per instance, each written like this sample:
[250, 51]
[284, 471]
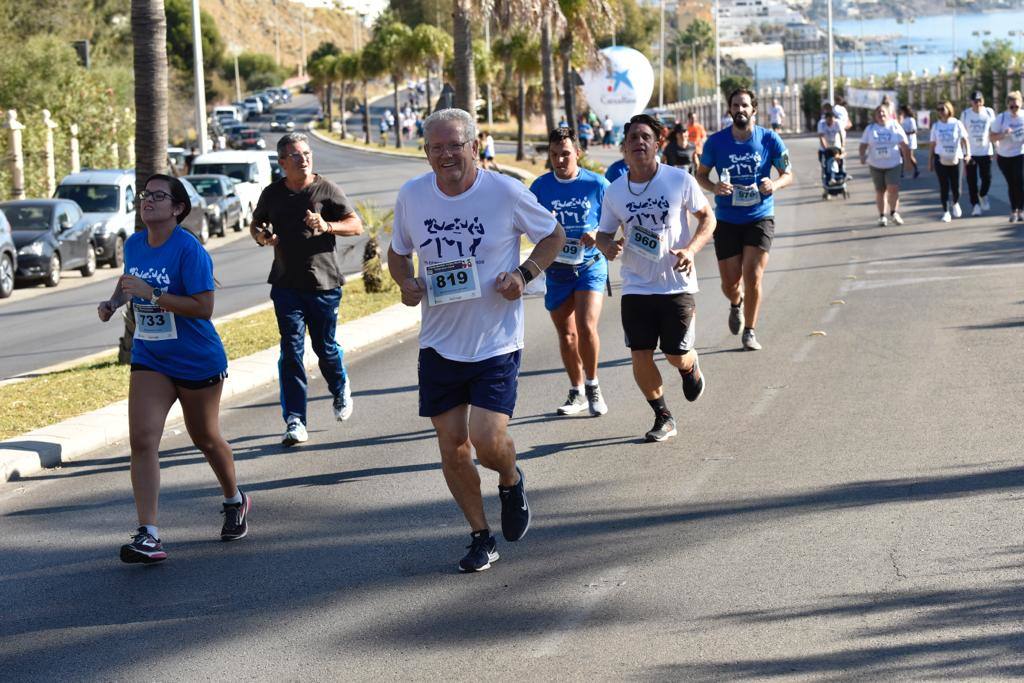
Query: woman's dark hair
[905, 110]
[178, 193]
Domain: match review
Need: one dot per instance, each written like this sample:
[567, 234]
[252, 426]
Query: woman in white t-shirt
[1008, 134]
[884, 148]
[977, 119]
[908, 120]
[949, 145]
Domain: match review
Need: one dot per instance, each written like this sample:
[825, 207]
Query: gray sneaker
[736, 317]
[343, 403]
[574, 404]
[596, 401]
[750, 342]
[664, 427]
[295, 433]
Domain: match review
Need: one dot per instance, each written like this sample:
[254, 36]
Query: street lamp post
[661, 59]
[693, 64]
[197, 59]
[831, 58]
[718, 69]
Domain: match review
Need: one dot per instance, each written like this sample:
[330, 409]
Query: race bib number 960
[646, 243]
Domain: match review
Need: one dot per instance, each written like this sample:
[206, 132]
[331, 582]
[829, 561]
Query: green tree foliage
[179, 37]
[322, 50]
[258, 70]
[733, 82]
[635, 26]
[415, 12]
[95, 100]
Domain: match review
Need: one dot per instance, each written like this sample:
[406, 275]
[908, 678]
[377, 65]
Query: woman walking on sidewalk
[948, 146]
[1008, 134]
[176, 356]
[884, 148]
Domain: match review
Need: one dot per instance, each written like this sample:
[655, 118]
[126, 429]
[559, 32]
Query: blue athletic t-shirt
[179, 266]
[576, 205]
[748, 162]
[615, 170]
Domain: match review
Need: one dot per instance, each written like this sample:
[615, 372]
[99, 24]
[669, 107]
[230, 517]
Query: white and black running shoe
[143, 548]
[596, 401]
[664, 427]
[574, 404]
[515, 510]
[483, 550]
[693, 382]
[294, 433]
[236, 525]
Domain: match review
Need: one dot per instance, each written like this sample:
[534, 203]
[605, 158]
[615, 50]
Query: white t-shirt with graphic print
[979, 125]
[653, 221]
[884, 144]
[946, 138]
[483, 224]
[1012, 142]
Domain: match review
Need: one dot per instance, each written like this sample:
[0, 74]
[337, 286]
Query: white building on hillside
[735, 15]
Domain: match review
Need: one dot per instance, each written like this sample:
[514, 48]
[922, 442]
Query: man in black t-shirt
[300, 216]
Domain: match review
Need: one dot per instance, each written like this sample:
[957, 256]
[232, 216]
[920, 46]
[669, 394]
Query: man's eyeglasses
[452, 148]
[155, 195]
[299, 156]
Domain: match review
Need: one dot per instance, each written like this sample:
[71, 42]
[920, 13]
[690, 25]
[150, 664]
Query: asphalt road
[54, 326]
[840, 506]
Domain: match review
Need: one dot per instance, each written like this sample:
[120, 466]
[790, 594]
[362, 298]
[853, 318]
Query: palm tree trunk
[398, 115]
[568, 82]
[366, 113]
[329, 92]
[520, 120]
[342, 110]
[428, 89]
[149, 36]
[465, 77]
[547, 67]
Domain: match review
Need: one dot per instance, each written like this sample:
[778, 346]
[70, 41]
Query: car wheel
[240, 223]
[89, 269]
[6, 276]
[52, 278]
[117, 259]
[204, 231]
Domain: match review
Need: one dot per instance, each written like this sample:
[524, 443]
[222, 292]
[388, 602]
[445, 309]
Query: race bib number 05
[646, 244]
[153, 323]
[452, 281]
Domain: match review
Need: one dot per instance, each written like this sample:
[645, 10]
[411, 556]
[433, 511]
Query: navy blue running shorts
[490, 384]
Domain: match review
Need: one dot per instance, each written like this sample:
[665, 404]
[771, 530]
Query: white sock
[578, 389]
[592, 382]
[234, 500]
[152, 531]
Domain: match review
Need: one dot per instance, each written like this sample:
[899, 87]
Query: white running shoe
[883, 221]
[976, 211]
[957, 211]
[343, 404]
[1013, 217]
[896, 218]
[596, 401]
[295, 433]
[946, 218]
[985, 206]
[574, 404]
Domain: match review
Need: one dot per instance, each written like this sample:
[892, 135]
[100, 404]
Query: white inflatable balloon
[623, 87]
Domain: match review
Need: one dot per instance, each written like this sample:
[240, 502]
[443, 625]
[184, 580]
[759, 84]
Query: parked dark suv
[51, 235]
[8, 258]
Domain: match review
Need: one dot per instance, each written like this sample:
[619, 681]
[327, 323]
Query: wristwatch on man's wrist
[157, 293]
[525, 272]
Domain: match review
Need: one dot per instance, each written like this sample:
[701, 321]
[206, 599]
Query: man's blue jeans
[296, 309]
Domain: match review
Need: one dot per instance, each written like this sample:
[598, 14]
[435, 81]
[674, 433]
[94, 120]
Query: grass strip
[54, 397]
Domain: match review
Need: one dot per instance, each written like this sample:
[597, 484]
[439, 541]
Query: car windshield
[208, 187]
[240, 171]
[282, 117]
[36, 218]
[92, 198]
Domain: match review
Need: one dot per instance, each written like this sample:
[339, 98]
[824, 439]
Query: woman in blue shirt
[176, 356]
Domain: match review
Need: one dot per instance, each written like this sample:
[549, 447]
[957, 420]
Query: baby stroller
[833, 173]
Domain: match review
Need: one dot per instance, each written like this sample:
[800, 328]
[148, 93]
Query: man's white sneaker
[596, 401]
[985, 206]
[750, 342]
[957, 211]
[343, 404]
[976, 211]
[295, 433]
[946, 218]
[574, 404]
[883, 221]
[896, 218]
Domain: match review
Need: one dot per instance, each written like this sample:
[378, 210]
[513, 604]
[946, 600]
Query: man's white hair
[459, 116]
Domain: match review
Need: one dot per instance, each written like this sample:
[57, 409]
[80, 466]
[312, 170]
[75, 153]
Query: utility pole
[831, 58]
[197, 59]
[661, 59]
[679, 76]
[693, 63]
[487, 86]
[718, 70]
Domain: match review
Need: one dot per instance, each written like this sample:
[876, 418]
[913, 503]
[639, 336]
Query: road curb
[78, 436]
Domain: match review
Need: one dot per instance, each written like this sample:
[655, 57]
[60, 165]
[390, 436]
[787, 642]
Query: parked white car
[107, 198]
[250, 168]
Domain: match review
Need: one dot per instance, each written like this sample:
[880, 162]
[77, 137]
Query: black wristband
[527, 275]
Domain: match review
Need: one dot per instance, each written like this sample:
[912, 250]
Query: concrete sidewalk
[78, 436]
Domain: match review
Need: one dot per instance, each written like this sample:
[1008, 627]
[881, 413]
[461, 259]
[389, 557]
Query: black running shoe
[515, 511]
[235, 524]
[143, 548]
[664, 427]
[482, 551]
[693, 382]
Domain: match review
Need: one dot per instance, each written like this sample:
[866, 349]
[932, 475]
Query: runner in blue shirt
[618, 168]
[579, 275]
[176, 356]
[743, 156]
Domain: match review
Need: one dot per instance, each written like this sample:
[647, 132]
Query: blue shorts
[562, 281]
[490, 383]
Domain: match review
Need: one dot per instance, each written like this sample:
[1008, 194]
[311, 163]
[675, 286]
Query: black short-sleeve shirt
[303, 260]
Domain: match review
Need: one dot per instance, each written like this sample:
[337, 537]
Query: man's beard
[741, 120]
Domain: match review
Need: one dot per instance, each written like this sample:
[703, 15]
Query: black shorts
[491, 383]
[648, 318]
[192, 384]
[730, 238]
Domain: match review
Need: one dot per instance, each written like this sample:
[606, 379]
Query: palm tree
[371, 65]
[521, 54]
[547, 64]
[465, 78]
[149, 40]
[433, 46]
[583, 18]
[321, 75]
[397, 50]
[346, 70]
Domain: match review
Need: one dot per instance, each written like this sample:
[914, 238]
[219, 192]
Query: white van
[251, 169]
[229, 111]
